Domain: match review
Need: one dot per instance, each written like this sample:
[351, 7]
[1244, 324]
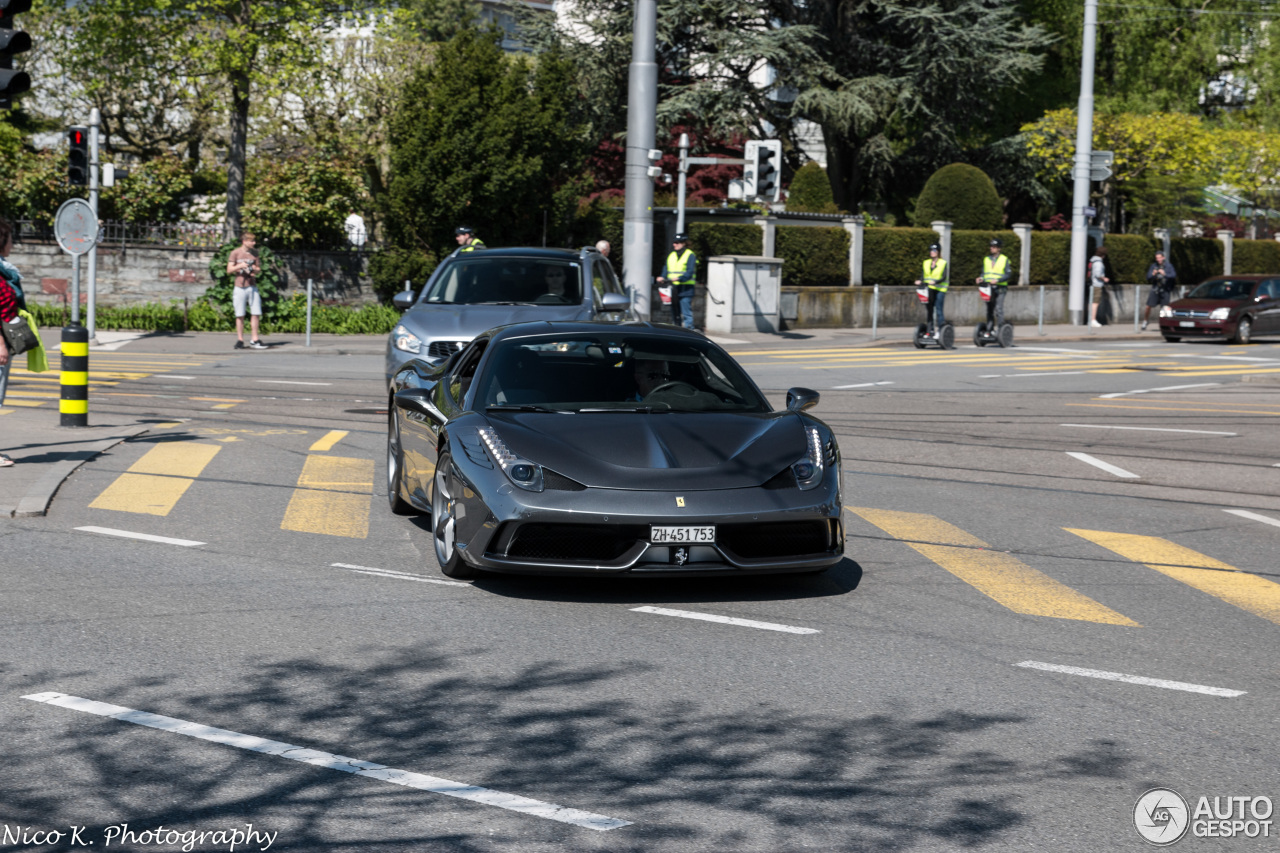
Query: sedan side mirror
[801, 399]
[615, 302]
[403, 300]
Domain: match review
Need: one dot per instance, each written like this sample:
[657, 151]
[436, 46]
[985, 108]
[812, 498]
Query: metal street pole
[683, 175]
[642, 107]
[95, 119]
[1084, 155]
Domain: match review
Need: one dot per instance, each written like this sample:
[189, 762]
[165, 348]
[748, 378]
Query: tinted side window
[460, 379]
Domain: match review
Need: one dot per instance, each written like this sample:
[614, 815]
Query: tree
[483, 138]
[916, 85]
[810, 191]
[303, 202]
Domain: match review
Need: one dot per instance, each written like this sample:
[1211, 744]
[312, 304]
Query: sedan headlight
[521, 472]
[1166, 311]
[405, 340]
[809, 468]
[1219, 313]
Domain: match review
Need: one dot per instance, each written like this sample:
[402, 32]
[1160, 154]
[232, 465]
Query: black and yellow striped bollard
[74, 404]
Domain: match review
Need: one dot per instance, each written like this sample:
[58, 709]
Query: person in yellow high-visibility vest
[680, 271]
[467, 239]
[996, 274]
[937, 279]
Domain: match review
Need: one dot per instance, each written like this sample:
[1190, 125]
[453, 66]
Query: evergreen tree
[962, 195]
[810, 191]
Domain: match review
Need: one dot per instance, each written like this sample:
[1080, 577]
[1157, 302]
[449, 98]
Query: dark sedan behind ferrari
[1235, 307]
[596, 448]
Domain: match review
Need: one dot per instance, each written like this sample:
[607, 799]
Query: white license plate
[681, 535]
[1187, 324]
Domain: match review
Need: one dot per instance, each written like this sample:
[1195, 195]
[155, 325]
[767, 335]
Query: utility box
[743, 293]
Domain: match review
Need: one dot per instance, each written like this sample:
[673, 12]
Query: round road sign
[76, 227]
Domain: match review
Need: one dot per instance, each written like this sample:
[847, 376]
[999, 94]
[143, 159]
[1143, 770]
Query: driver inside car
[648, 375]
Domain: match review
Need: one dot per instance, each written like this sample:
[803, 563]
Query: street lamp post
[1080, 173]
[642, 107]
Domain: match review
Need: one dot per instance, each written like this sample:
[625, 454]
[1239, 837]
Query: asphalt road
[1022, 642]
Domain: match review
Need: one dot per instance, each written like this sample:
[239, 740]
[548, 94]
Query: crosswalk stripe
[1000, 576]
[155, 483]
[332, 497]
[327, 442]
[1258, 596]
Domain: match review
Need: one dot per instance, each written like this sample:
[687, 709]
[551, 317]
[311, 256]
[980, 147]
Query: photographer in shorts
[1162, 277]
[243, 264]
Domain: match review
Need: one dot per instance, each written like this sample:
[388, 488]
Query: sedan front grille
[1186, 313]
[575, 543]
[775, 539]
[444, 349]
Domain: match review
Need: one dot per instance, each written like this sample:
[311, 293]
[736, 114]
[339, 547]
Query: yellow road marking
[332, 497]
[24, 403]
[329, 440]
[154, 484]
[1258, 596]
[1002, 577]
[224, 406]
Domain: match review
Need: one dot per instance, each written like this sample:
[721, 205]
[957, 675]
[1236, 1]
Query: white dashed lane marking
[1253, 516]
[1105, 466]
[726, 620]
[1133, 679]
[1149, 429]
[331, 761]
[147, 537]
[400, 576]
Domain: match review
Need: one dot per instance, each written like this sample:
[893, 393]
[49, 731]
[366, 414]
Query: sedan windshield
[615, 373]
[486, 279]
[1223, 288]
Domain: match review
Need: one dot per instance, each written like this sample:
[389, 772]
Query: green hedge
[203, 316]
[814, 256]
[1050, 257]
[893, 256]
[1255, 256]
[1129, 256]
[1195, 258]
[708, 239]
[968, 248]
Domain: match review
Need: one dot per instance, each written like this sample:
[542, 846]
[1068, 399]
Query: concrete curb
[40, 493]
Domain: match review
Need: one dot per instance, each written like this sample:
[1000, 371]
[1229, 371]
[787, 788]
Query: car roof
[526, 252]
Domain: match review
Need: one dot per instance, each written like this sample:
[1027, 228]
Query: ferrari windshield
[480, 278]
[615, 373]
[1223, 288]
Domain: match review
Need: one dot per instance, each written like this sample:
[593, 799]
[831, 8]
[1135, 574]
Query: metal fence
[173, 235]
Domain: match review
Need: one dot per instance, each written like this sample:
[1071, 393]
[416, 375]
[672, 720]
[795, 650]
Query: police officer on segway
[994, 281]
[933, 283]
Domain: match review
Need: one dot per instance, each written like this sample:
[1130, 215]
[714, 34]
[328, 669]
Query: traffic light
[78, 156]
[767, 162]
[12, 42]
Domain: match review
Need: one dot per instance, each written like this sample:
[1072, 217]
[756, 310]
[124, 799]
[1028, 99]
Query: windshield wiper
[644, 410]
[527, 407]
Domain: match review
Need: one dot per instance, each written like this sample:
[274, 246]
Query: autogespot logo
[1161, 816]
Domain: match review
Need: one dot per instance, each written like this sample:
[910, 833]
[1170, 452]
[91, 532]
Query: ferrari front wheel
[444, 524]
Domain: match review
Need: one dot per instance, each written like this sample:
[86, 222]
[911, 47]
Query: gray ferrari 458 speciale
[586, 448]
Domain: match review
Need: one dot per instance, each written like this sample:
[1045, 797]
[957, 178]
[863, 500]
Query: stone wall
[133, 275]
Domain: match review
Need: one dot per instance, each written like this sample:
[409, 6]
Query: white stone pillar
[1023, 230]
[770, 241]
[1227, 237]
[944, 239]
[1162, 234]
[857, 226]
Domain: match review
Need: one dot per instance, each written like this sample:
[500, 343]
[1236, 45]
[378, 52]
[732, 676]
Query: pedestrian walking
[1162, 277]
[996, 274]
[1097, 283]
[935, 277]
[467, 239]
[11, 300]
[680, 272]
[603, 247]
[243, 263]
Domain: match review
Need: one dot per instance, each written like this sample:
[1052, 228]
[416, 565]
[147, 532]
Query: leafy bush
[969, 248]
[1195, 258]
[390, 268]
[202, 316]
[810, 191]
[304, 201]
[893, 256]
[1129, 255]
[1254, 256]
[814, 256]
[962, 195]
[1050, 257]
[708, 239]
[270, 281]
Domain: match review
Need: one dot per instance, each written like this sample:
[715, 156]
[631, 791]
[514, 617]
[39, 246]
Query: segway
[984, 333]
[944, 338]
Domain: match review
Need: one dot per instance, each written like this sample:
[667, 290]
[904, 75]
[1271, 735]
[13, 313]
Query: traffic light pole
[642, 107]
[91, 314]
[1084, 156]
[685, 162]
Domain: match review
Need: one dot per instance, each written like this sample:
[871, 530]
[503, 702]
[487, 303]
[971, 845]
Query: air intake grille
[444, 349]
[599, 543]
[559, 482]
[775, 539]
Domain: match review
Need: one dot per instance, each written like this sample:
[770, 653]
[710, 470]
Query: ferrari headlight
[1219, 313]
[405, 340]
[1166, 311]
[809, 468]
[520, 472]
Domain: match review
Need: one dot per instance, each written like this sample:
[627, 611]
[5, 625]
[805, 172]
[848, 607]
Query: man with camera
[1162, 277]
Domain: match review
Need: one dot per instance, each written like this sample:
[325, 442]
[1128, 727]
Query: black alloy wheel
[395, 465]
[444, 524]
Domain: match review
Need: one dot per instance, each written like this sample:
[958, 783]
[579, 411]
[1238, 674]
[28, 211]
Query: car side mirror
[801, 399]
[403, 300]
[414, 400]
[615, 302]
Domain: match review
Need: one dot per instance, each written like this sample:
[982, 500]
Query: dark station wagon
[1235, 307]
